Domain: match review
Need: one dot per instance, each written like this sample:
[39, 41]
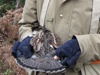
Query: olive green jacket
[67, 18]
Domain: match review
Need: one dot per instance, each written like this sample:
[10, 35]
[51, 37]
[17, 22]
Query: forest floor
[8, 33]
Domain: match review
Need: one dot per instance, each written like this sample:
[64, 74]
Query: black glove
[22, 48]
[70, 52]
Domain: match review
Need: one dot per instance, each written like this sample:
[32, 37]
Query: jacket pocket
[49, 19]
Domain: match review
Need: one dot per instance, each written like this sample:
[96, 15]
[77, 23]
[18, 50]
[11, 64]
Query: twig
[15, 20]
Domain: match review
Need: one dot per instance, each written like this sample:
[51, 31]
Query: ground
[8, 34]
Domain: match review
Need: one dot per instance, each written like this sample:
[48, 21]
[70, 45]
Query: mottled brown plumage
[44, 44]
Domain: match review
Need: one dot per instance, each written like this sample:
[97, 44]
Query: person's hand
[22, 48]
[70, 52]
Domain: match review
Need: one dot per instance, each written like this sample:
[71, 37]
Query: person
[71, 21]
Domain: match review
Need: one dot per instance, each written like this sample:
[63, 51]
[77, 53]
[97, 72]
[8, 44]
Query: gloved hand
[15, 52]
[70, 52]
[22, 48]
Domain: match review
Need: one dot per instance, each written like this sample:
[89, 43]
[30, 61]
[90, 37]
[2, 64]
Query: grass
[8, 72]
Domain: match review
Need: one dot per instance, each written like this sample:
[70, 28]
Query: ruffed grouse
[44, 44]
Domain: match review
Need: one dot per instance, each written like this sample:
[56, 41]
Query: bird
[44, 44]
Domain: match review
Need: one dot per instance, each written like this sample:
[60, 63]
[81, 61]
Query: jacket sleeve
[90, 48]
[29, 16]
